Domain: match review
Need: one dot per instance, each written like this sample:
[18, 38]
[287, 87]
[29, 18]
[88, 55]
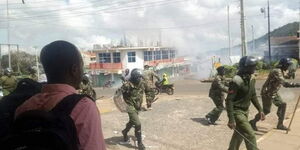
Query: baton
[245, 138]
[287, 131]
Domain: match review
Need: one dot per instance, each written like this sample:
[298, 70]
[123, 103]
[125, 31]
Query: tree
[20, 61]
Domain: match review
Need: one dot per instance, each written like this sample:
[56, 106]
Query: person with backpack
[58, 117]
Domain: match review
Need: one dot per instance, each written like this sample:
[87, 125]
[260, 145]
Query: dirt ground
[177, 122]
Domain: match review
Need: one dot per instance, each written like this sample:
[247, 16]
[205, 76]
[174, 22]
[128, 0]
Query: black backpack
[42, 130]
[25, 89]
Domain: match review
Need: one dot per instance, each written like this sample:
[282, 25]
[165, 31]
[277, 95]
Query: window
[116, 57]
[131, 56]
[165, 55]
[157, 55]
[93, 59]
[148, 55]
[104, 58]
[172, 53]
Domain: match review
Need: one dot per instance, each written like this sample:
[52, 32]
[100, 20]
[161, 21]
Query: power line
[151, 28]
[53, 11]
[35, 2]
[54, 4]
[102, 11]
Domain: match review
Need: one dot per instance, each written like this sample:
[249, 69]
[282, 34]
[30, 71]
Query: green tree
[20, 61]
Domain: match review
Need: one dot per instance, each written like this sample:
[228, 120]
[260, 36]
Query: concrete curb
[271, 132]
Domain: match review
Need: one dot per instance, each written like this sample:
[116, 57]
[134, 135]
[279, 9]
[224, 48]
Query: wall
[131, 65]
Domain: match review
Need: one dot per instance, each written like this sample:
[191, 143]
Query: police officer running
[217, 94]
[149, 76]
[241, 92]
[133, 91]
[269, 94]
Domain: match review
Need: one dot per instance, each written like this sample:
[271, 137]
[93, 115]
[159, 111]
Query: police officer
[269, 94]
[217, 94]
[8, 82]
[133, 91]
[149, 76]
[292, 67]
[240, 94]
[86, 87]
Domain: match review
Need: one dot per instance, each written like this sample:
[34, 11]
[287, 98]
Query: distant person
[149, 76]
[270, 94]
[165, 79]
[8, 82]
[63, 66]
[86, 87]
[291, 68]
[217, 93]
[126, 75]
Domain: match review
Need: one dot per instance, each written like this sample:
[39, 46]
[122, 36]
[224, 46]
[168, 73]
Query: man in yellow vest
[165, 80]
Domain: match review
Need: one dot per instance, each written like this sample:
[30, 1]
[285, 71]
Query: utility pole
[298, 33]
[229, 38]
[159, 36]
[243, 31]
[18, 59]
[8, 40]
[37, 62]
[269, 34]
[0, 57]
[253, 41]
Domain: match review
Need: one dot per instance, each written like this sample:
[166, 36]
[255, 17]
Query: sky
[192, 26]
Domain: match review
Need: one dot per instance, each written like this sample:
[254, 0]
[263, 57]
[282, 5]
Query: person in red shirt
[63, 66]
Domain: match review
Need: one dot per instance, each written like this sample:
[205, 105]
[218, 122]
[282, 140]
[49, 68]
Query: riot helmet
[247, 65]
[85, 78]
[146, 67]
[284, 63]
[221, 70]
[136, 75]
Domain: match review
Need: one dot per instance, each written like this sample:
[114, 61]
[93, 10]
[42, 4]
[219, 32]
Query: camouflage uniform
[133, 96]
[87, 89]
[8, 84]
[148, 76]
[269, 94]
[292, 69]
[241, 93]
[216, 93]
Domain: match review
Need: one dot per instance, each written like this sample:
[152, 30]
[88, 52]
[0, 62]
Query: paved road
[177, 122]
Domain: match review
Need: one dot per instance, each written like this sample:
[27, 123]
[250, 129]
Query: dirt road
[177, 122]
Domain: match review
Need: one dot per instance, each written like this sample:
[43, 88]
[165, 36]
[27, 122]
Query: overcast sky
[191, 25]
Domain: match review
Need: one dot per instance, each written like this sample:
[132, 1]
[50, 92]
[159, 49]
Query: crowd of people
[241, 93]
[54, 116]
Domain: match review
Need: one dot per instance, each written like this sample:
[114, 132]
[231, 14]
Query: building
[88, 58]
[111, 62]
[283, 47]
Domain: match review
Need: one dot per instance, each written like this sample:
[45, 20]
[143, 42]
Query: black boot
[254, 121]
[138, 135]
[125, 131]
[280, 126]
[281, 113]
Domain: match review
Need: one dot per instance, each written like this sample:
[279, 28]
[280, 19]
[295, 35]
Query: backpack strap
[67, 104]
